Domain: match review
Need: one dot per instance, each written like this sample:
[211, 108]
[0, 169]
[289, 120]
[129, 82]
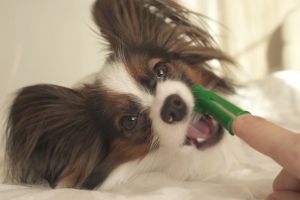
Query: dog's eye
[129, 122]
[161, 70]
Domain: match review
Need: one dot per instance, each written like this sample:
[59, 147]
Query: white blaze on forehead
[116, 78]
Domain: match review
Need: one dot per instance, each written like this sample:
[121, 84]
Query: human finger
[280, 144]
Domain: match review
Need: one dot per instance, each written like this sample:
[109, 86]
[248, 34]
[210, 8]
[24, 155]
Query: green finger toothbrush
[209, 103]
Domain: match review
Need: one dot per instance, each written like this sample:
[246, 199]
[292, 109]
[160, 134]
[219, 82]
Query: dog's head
[140, 101]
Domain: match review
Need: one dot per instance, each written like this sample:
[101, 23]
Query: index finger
[280, 144]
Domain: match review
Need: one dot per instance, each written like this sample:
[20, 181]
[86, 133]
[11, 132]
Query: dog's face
[149, 101]
[140, 102]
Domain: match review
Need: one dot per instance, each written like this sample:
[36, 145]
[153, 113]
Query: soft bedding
[246, 174]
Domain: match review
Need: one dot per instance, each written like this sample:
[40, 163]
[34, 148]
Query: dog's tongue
[199, 129]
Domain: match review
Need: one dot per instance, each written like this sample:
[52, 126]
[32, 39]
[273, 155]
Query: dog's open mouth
[203, 131]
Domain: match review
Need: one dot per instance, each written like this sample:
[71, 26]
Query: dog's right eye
[161, 70]
[128, 122]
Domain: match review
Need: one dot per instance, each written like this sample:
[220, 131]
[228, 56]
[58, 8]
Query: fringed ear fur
[130, 24]
[51, 135]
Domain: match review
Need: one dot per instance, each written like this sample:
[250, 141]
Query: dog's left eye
[129, 122]
[161, 70]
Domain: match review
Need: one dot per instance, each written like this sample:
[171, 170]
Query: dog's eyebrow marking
[115, 77]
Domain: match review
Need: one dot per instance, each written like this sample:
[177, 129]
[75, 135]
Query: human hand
[281, 145]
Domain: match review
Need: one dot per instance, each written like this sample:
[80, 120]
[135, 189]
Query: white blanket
[276, 97]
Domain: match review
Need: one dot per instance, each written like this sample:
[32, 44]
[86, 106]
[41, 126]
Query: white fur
[120, 175]
[116, 78]
[183, 163]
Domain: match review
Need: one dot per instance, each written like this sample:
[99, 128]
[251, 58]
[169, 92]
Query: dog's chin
[203, 132]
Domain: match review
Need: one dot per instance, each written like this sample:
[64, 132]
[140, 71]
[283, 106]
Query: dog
[136, 116]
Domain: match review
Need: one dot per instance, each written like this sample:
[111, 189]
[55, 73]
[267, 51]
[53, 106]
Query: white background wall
[46, 41]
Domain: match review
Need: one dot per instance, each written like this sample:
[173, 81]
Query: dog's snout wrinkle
[174, 109]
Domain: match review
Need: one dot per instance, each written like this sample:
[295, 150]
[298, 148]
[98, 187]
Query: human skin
[282, 145]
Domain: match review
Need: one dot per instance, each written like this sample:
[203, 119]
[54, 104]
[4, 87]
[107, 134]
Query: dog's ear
[137, 24]
[52, 135]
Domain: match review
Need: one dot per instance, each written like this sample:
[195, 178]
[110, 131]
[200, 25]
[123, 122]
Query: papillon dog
[136, 116]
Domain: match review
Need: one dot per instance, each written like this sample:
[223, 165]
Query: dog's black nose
[174, 109]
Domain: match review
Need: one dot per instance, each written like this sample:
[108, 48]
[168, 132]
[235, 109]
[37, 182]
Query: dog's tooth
[200, 139]
[171, 119]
